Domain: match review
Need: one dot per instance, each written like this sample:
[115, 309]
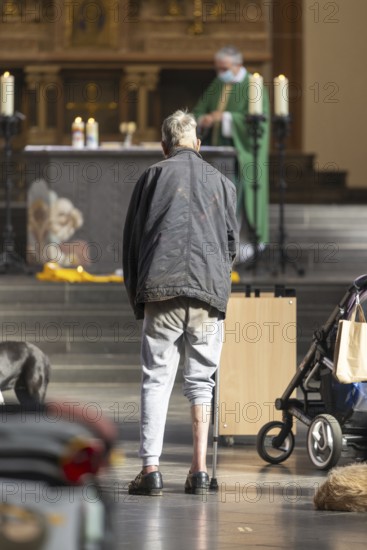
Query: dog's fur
[26, 369]
[344, 490]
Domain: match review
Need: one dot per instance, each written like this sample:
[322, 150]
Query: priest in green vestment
[221, 116]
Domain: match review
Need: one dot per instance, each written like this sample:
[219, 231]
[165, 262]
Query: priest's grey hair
[232, 52]
[179, 129]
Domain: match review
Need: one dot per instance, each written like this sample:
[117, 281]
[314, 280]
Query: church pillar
[140, 83]
[288, 59]
[42, 103]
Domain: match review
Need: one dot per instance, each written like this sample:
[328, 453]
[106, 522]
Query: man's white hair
[179, 129]
[232, 52]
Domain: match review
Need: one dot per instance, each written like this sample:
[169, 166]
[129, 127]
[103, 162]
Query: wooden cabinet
[258, 361]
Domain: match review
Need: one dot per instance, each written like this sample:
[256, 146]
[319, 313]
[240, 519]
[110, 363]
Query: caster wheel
[226, 440]
[266, 447]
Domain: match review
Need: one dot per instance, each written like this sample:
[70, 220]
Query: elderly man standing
[221, 115]
[180, 240]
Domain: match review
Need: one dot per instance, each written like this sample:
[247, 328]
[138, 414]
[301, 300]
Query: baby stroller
[336, 414]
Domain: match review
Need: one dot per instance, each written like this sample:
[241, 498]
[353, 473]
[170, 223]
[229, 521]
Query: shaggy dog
[344, 490]
[26, 369]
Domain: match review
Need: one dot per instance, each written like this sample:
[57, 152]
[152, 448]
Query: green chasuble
[234, 99]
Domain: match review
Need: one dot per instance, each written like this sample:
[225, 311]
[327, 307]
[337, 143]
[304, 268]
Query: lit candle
[255, 94]
[92, 133]
[7, 94]
[77, 133]
[281, 99]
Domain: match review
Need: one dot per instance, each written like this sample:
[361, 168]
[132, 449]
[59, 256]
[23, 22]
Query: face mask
[226, 76]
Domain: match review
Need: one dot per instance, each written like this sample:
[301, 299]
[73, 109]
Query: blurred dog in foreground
[26, 369]
[344, 490]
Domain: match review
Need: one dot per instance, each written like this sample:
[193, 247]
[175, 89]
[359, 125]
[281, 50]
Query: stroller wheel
[324, 441]
[226, 440]
[267, 445]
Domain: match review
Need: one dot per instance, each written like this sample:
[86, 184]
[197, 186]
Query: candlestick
[92, 140]
[7, 94]
[281, 99]
[77, 133]
[128, 128]
[255, 94]
[255, 124]
[131, 127]
[10, 261]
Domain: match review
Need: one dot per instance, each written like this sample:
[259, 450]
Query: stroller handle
[361, 282]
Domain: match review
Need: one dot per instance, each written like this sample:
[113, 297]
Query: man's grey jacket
[180, 234]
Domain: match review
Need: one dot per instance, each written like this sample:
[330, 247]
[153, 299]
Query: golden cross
[92, 106]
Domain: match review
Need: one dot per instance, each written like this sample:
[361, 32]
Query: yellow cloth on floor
[53, 272]
[235, 278]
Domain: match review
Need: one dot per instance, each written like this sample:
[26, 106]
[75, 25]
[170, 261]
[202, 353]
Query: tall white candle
[255, 94]
[92, 139]
[7, 94]
[281, 98]
[77, 133]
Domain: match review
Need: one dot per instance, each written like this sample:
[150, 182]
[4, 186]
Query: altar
[77, 200]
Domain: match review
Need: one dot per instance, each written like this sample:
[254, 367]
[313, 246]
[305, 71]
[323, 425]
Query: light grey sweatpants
[171, 328]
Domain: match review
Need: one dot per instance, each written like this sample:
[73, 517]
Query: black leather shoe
[147, 484]
[197, 483]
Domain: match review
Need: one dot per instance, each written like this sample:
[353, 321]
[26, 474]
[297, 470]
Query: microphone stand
[256, 131]
[281, 130]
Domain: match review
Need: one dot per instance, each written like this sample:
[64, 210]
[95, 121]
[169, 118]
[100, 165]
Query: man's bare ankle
[195, 470]
[149, 469]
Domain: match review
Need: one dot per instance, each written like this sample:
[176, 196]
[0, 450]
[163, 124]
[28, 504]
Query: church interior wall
[335, 83]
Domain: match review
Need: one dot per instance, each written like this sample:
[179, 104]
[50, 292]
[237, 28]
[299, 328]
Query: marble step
[95, 334]
[104, 368]
[295, 161]
[28, 290]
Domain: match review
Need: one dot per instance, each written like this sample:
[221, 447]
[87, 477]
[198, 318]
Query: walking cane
[213, 482]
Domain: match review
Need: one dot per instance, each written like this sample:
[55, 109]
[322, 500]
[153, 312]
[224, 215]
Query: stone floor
[257, 505]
